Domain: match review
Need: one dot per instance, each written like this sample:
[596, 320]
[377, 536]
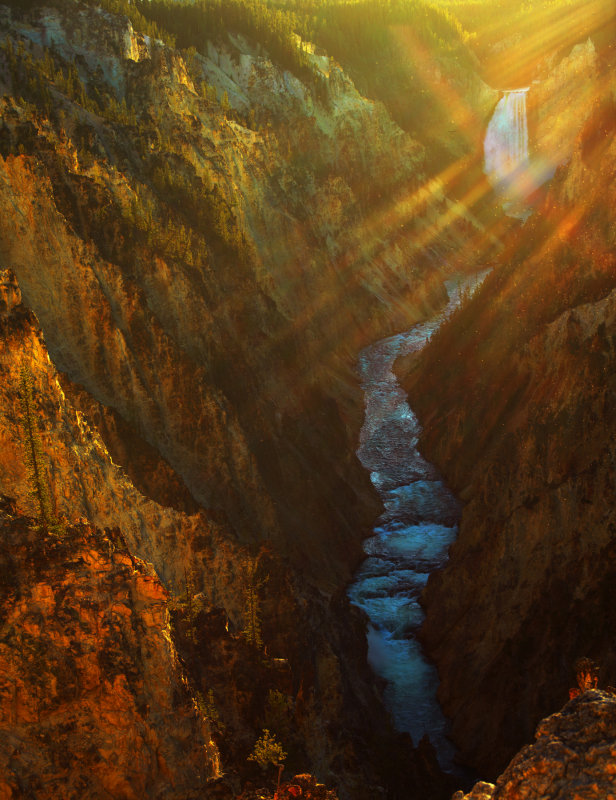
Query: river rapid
[411, 537]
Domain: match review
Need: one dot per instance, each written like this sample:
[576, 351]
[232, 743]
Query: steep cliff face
[211, 281]
[517, 397]
[559, 104]
[573, 756]
[93, 699]
[322, 679]
[85, 483]
[204, 271]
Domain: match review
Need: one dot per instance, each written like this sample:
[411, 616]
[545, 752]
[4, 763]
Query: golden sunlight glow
[438, 208]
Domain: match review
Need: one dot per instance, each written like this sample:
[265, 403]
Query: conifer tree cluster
[251, 586]
[33, 452]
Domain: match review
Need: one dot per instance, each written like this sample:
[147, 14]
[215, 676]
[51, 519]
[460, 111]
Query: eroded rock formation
[92, 698]
[223, 329]
[573, 756]
[203, 275]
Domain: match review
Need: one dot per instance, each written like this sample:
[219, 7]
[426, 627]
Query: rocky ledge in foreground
[573, 758]
[93, 702]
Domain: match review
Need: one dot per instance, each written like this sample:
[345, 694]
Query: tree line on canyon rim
[358, 35]
[390, 49]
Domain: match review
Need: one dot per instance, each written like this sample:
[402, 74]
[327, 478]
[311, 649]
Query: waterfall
[506, 161]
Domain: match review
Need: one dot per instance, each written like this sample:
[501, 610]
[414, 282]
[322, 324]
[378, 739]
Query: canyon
[196, 322]
[196, 244]
[521, 429]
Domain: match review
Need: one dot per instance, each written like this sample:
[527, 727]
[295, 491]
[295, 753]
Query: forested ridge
[405, 53]
[386, 46]
[360, 36]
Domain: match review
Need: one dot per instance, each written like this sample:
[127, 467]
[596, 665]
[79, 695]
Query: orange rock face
[574, 755]
[202, 284]
[92, 699]
[84, 481]
[305, 787]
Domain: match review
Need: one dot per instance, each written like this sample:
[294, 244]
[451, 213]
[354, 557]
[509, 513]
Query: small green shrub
[268, 750]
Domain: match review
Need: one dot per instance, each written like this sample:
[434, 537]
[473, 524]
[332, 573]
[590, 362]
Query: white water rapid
[506, 160]
[411, 538]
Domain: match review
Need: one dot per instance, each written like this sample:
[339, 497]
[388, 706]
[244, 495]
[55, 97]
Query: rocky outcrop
[85, 483]
[306, 788]
[93, 700]
[573, 756]
[559, 104]
[516, 395]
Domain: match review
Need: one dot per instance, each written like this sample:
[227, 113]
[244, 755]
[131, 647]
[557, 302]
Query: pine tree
[33, 450]
[191, 611]
[252, 608]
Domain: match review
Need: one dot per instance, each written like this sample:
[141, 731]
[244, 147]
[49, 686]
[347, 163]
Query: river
[411, 537]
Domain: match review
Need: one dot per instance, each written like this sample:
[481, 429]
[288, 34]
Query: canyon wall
[559, 103]
[573, 752]
[323, 680]
[227, 346]
[94, 702]
[517, 395]
[203, 243]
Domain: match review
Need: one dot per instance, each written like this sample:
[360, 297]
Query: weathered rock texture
[226, 341]
[574, 756]
[204, 277]
[84, 481]
[92, 698]
[517, 396]
[559, 104]
[194, 552]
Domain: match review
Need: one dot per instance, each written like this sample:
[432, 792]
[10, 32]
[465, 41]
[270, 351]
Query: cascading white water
[506, 142]
[506, 160]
